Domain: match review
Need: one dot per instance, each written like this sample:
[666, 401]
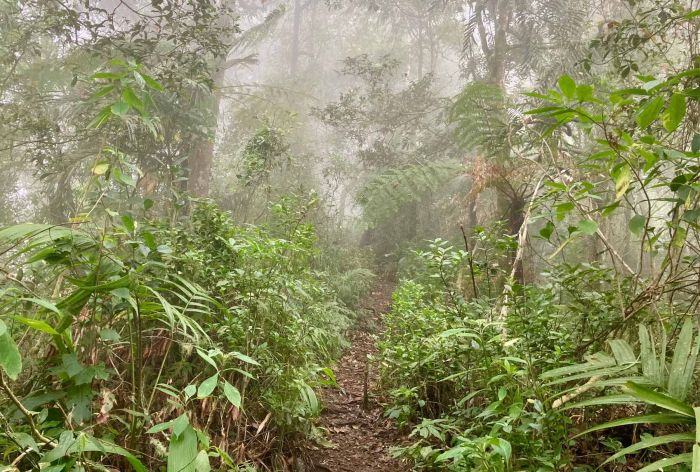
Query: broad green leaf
[547, 231]
[182, 452]
[190, 390]
[201, 463]
[623, 352]
[636, 224]
[685, 354]
[180, 424]
[588, 227]
[10, 358]
[652, 367]
[675, 113]
[567, 86]
[584, 92]
[563, 209]
[648, 395]
[232, 394]
[122, 178]
[100, 168]
[207, 386]
[649, 112]
[120, 108]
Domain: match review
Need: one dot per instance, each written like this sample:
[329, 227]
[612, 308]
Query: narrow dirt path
[355, 425]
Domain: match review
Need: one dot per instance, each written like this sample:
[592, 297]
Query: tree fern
[481, 117]
[387, 192]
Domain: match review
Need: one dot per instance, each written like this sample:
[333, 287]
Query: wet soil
[360, 437]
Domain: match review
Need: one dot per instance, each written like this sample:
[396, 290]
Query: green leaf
[600, 401]
[685, 355]
[201, 463]
[100, 167]
[160, 427]
[649, 111]
[675, 113]
[180, 424]
[244, 358]
[101, 117]
[207, 386]
[452, 453]
[622, 177]
[122, 178]
[664, 463]
[182, 451]
[584, 92]
[207, 358]
[547, 231]
[120, 108]
[10, 358]
[232, 394]
[652, 442]
[567, 85]
[648, 395]
[37, 325]
[665, 418]
[190, 390]
[152, 83]
[636, 224]
[44, 304]
[105, 75]
[128, 223]
[101, 92]
[130, 97]
[695, 145]
[588, 227]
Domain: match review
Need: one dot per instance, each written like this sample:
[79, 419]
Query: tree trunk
[201, 159]
[294, 56]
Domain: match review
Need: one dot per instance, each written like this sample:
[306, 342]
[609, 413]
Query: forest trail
[361, 436]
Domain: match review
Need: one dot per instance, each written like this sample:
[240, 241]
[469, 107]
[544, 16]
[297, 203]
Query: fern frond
[386, 193]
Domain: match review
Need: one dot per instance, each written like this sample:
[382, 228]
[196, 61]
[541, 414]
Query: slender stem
[27, 414]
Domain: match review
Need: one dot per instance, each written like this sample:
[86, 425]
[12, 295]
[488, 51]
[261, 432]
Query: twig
[27, 414]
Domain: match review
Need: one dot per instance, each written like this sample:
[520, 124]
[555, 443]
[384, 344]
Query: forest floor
[353, 418]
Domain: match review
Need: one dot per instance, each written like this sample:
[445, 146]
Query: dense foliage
[197, 198]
